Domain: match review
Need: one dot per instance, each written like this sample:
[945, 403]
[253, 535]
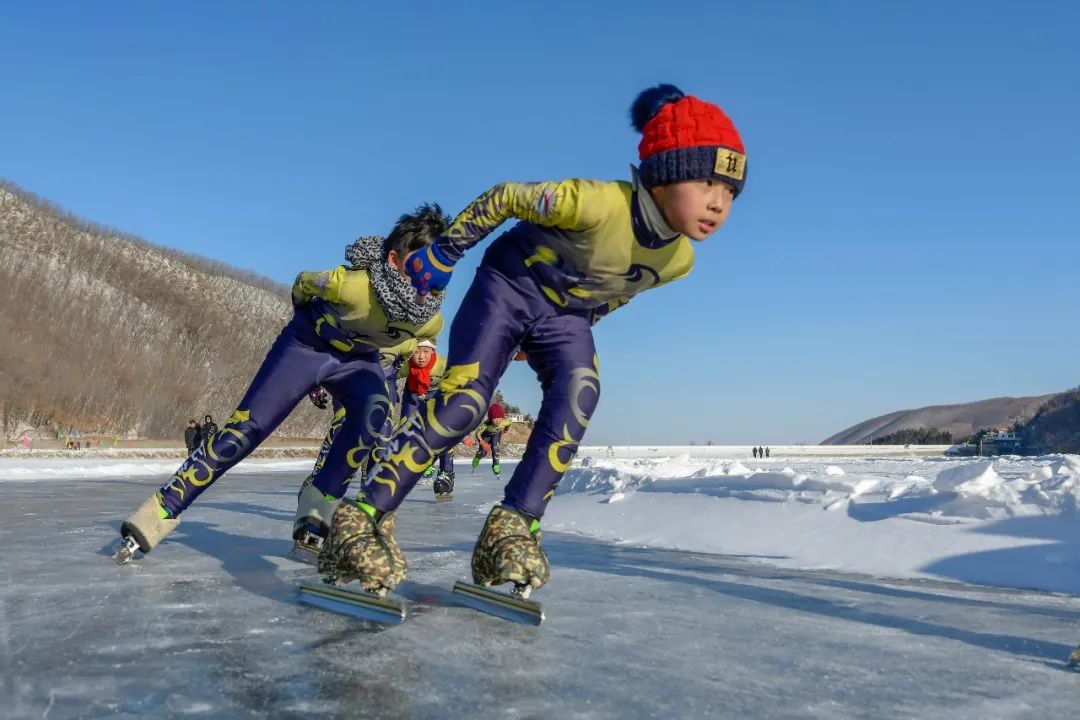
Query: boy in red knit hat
[488, 436]
[582, 249]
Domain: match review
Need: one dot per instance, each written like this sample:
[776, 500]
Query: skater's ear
[396, 260]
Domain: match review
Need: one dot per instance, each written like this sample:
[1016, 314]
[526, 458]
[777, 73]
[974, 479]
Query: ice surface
[208, 625]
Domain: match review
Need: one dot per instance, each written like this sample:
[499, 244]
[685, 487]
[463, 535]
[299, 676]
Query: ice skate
[428, 475]
[360, 548]
[508, 551]
[312, 522]
[1074, 659]
[444, 487]
[144, 530]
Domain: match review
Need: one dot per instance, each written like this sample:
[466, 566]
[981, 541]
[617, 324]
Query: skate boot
[496, 468]
[312, 522]
[146, 527]
[427, 476]
[359, 547]
[1074, 659]
[508, 550]
[476, 460]
[444, 486]
[307, 481]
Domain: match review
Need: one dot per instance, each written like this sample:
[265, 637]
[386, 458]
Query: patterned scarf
[395, 292]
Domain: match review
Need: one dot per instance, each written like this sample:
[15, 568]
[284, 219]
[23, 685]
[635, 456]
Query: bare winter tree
[112, 334]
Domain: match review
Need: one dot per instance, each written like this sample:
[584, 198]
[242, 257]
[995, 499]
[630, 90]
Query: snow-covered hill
[961, 420]
[110, 334]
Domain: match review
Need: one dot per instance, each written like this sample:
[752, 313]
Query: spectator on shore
[754, 450]
[192, 435]
[767, 452]
[209, 428]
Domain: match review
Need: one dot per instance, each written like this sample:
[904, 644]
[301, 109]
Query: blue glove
[429, 269]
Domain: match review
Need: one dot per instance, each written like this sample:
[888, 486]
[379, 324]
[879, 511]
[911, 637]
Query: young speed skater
[422, 365]
[582, 249]
[424, 368]
[488, 436]
[341, 320]
[310, 523]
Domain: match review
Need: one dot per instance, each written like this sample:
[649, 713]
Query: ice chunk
[952, 478]
[736, 468]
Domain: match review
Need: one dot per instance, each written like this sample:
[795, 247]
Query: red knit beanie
[496, 412]
[684, 138]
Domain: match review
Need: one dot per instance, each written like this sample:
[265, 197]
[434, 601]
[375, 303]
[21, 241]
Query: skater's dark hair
[417, 229]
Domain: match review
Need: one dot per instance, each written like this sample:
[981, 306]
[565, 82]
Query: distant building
[999, 442]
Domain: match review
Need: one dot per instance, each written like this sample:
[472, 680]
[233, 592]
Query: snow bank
[12, 469]
[1009, 521]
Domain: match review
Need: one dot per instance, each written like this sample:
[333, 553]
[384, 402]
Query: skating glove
[429, 269]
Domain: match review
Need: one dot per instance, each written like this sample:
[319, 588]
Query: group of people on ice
[194, 432]
[580, 250]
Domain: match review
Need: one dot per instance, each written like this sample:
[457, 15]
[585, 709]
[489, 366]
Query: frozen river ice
[209, 626]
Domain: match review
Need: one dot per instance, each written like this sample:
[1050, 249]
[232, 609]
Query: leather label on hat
[730, 164]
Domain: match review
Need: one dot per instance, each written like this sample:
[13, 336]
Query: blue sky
[908, 235]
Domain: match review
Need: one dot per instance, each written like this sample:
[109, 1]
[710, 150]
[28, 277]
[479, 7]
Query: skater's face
[696, 208]
[422, 356]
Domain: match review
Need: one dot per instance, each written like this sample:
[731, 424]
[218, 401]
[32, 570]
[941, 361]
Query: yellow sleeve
[326, 284]
[440, 367]
[431, 329]
[563, 204]
[402, 350]
[606, 309]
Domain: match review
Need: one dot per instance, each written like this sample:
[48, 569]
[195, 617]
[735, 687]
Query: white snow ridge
[1007, 522]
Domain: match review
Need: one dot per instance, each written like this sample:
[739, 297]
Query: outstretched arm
[326, 284]
[555, 204]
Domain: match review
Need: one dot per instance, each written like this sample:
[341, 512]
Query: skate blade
[443, 498]
[499, 604]
[122, 556]
[125, 551]
[307, 554]
[354, 603]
